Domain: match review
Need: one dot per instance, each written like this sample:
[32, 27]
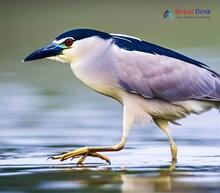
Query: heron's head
[71, 45]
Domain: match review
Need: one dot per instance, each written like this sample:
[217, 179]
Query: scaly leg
[163, 124]
[92, 151]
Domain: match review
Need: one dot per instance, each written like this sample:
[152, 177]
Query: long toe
[103, 157]
[72, 154]
[81, 152]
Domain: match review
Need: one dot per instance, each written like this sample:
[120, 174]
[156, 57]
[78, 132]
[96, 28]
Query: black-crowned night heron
[151, 82]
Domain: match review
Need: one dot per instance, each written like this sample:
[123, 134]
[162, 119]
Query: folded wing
[159, 76]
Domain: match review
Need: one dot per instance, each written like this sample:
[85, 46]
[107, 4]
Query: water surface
[36, 124]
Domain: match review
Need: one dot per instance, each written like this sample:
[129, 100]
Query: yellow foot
[172, 166]
[81, 152]
[174, 153]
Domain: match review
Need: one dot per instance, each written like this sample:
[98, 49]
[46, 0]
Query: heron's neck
[97, 72]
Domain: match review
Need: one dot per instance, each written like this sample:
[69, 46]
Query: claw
[49, 158]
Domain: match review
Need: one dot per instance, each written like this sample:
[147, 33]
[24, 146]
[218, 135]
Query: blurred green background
[27, 25]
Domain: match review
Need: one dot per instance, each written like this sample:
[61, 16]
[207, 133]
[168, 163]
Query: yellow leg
[84, 152]
[90, 151]
[163, 124]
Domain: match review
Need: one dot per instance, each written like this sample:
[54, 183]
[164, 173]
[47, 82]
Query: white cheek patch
[57, 58]
[70, 55]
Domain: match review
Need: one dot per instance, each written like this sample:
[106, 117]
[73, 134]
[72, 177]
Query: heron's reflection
[158, 183]
[126, 182]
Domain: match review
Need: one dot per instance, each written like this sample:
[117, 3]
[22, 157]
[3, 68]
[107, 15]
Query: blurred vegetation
[27, 25]
[32, 23]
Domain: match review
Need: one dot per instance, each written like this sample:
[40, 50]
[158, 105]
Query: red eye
[68, 42]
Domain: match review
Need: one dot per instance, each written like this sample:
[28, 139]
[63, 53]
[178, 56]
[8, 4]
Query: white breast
[95, 65]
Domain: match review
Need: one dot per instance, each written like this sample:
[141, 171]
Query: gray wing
[163, 77]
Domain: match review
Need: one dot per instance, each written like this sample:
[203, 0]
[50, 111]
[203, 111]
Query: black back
[129, 43]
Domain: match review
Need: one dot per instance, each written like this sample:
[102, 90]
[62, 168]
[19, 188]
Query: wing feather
[167, 78]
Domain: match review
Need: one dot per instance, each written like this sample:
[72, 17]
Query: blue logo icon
[168, 14]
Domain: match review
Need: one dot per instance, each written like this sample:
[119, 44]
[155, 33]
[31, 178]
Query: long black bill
[47, 51]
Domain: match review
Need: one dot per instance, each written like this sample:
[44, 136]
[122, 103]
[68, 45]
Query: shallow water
[36, 124]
